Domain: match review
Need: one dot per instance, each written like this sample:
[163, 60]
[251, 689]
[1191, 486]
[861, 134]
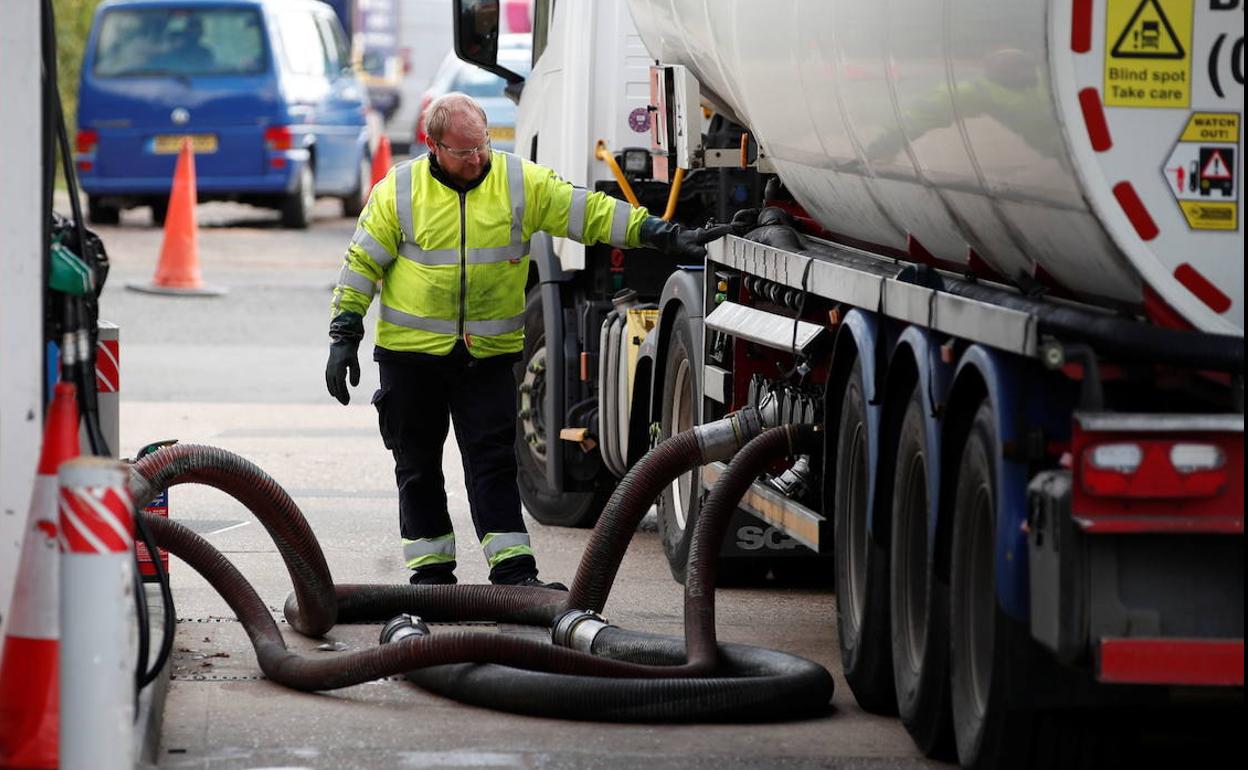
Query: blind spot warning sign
[1148, 60]
[1201, 172]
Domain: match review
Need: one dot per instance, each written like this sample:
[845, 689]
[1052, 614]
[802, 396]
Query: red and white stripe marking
[108, 367]
[96, 520]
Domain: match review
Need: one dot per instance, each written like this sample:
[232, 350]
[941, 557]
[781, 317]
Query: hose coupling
[577, 629]
[401, 627]
[721, 439]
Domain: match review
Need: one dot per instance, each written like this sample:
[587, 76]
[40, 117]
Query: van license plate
[170, 144]
[502, 133]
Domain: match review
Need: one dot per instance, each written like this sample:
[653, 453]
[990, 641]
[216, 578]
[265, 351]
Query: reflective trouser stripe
[361, 283]
[372, 248]
[619, 224]
[576, 213]
[429, 550]
[500, 546]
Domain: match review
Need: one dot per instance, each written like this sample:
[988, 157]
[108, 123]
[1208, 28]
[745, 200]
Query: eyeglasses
[465, 153]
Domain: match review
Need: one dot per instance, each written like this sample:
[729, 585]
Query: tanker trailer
[1014, 303]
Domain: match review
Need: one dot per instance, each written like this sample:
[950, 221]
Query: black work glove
[677, 240]
[345, 330]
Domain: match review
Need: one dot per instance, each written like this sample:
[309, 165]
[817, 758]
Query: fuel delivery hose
[773, 682]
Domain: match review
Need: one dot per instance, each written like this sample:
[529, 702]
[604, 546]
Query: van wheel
[99, 214]
[918, 600]
[297, 207]
[353, 204]
[861, 562]
[549, 506]
[160, 210]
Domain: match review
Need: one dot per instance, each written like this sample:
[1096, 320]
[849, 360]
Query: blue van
[263, 88]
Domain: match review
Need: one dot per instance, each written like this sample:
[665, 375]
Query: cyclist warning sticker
[1201, 171]
[1148, 53]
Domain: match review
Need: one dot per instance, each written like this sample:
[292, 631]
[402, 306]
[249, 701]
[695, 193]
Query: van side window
[301, 43]
[337, 56]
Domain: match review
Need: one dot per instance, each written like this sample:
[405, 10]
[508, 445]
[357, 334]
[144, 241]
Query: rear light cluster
[85, 143]
[1153, 468]
[278, 139]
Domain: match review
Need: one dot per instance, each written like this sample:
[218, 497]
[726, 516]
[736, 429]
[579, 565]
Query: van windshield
[156, 41]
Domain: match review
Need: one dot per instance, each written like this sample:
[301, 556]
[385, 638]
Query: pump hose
[760, 682]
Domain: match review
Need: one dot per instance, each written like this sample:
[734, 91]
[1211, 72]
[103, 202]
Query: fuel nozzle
[403, 626]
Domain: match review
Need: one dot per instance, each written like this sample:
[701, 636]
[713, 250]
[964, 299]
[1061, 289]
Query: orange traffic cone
[29, 699]
[381, 160]
[178, 269]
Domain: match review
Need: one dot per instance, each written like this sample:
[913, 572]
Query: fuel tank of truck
[1092, 146]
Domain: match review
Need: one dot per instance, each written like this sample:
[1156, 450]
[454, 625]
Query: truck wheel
[984, 642]
[549, 506]
[100, 214]
[861, 563]
[297, 206]
[679, 502]
[918, 602]
[353, 204]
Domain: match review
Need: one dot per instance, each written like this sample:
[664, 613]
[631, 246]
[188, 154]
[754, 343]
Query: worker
[447, 236]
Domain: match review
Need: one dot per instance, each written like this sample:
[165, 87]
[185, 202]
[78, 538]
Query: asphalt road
[244, 371]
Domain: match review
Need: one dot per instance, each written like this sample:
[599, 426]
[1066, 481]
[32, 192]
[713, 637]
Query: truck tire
[861, 563]
[919, 602]
[679, 502]
[986, 647]
[100, 214]
[297, 206]
[549, 506]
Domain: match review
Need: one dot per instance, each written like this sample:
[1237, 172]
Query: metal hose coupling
[721, 439]
[577, 629]
[403, 626]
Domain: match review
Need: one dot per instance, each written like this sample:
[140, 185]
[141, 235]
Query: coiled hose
[750, 683]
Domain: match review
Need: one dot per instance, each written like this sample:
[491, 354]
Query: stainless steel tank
[1094, 145]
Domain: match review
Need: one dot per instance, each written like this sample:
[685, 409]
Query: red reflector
[277, 138]
[85, 165]
[1081, 27]
[1200, 286]
[1094, 119]
[86, 140]
[1173, 661]
[1154, 476]
[277, 162]
[1133, 207]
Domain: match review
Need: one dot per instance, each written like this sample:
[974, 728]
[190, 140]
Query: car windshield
[179, 41]
[480, 84]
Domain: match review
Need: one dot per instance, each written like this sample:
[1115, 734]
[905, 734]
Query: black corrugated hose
[627, 677]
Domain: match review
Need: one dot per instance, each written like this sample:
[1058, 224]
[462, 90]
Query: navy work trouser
[420, 396]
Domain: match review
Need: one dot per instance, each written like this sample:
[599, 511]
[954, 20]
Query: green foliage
[73, 22]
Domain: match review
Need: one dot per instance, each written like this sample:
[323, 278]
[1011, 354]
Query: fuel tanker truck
[993, 250]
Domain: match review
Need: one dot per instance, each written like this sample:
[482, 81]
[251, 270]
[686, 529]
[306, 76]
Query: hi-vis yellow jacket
[453, 265]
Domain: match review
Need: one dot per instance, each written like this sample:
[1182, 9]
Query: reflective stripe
[429, 550]
[619, 223]
[515, 189]
[361, 283]
[399, 318]
[510, 253]
[372, 248]
[499, 546]
[576, 213]
[403, 198]
[490, 328]
[429, 256]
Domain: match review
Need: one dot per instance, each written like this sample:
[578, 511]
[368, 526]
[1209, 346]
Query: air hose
[622, 675]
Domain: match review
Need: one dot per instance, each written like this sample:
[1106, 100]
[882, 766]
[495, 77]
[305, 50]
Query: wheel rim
[681, 421]
[532, 396]
[981, 603]
[912, 571]
[855, 551]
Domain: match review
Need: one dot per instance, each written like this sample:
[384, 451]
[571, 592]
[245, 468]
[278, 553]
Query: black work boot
[533, 582]
[432, 577]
